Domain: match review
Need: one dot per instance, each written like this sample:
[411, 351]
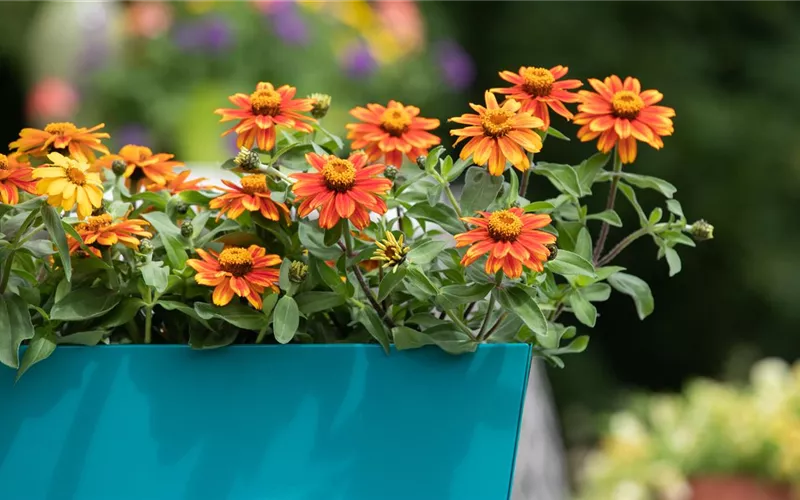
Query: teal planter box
[294, 422]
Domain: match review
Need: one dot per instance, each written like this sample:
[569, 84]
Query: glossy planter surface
[294, 422]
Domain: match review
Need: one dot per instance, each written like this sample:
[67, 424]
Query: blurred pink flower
[148, 19]
[52, 99]
[403, 20]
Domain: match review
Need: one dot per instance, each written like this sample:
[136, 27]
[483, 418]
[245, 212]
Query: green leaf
[605, 272]
[583, 244]
[62, 290]
[190, 311]
[200, 221]
[480, 190]
[426, 320]
[568, 234]
[84, 303]
[427, 251]
[649, 182]
[406, 338]
[563, 177]
[631, 196]
[239, 315]
[210, 339]
[513, 189]
[41, 347]
[286, 319]
[52, 222]
[637, 289]
[458, 167]
[333, 234]
[677, 237]
[539, 206]
[421, 281]
[88, 338]
[330, 276]
[583, 309]
[155, 275]
[434, 194]
[433, 158]
[588, 170]
[673, 260]
[39, 248]
[655, 216]
[283, 277]
[441, 214]
[15, 326]
[596, 292]
[447, 165]
[124, 312]
[571, 264]
[372, 322]
[558, 135]
[609, 216]
[390, 282]
[313, 239]
[171, 238]
[227, 225]
[312, 302]
[452, 296]
[521, 303]
[674, 206]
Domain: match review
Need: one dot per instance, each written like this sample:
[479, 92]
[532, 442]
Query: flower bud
[320, 105]
[181, 208]
[297, 272]
[553, 251]
[390, 172]
[701, 230]
[391, 251]
[119, 167]
[247, 160]
[421, 162]
[146, 246]
[99, 210]
[187, 229]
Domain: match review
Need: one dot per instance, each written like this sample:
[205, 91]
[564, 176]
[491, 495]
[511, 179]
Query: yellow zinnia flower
[68, 182]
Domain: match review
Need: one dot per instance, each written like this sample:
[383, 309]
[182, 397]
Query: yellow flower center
[3, 162]
[252, 184]
[627, 104]
[75, 175]
[236, 261]
[339, 175]
[265, 102]
[496, 122]
[504, 226]
[395, 121]
[60, 128]
[538, 81]
[98, 222]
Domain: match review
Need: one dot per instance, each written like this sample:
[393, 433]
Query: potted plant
[324, 268]
[713, 441]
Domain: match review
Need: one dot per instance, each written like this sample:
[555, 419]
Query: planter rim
[284, 346]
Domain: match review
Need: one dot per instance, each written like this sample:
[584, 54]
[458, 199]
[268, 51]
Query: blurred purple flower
[132, 133]
[209, 33]
[288, 24]
[358, 61]
[457, 66]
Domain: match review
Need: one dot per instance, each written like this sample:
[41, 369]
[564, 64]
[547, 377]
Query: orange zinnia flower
[538, 88]
[14, 175]
[620, 114]
[253, 195]
[102, 230]
[511, 239]
[241, 271]
[141, 162]
[62, 137]
[392, 131]
[179, 183]
[499, 133]
[341, 189]
[262, 111]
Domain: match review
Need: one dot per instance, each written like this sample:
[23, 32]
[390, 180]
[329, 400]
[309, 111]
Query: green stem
[268, 169]
[489, 311]
[460, 324]
[348, 244]
[452, 198]
[112, 276]
[496, 325]
[612, 195]
[262, 334]
[619, 247]
[526, 175]
[148, 316]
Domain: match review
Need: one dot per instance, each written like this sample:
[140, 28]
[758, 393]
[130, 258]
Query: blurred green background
[154, 72]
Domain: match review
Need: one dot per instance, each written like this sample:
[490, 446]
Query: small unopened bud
[146, 246]
[119, 167]
[701, 230]
[390, 172]
[181, 208]
[247, 160]
[298, 272]
[187, 229]
[99, 210]
[320, 105]
[421, 162]
[553, 251]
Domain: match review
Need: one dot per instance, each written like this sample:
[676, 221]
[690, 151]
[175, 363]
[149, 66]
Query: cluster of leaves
[52, 298]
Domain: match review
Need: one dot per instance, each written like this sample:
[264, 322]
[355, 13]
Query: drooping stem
[619, 247]
[612, 195]
[348, 244]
